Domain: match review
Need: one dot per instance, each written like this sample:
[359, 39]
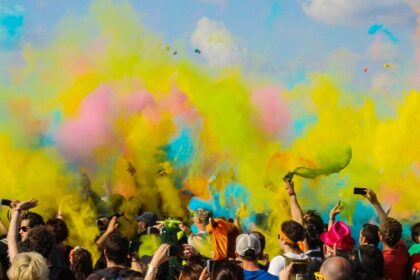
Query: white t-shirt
[278, 263]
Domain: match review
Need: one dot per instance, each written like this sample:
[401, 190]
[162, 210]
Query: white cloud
[355, 12]
[215, 43]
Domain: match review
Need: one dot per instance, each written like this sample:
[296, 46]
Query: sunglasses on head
[24, 229]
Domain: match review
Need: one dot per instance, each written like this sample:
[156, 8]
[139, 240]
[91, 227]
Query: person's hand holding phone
[113, 225]
[160, 256]
[371, 196]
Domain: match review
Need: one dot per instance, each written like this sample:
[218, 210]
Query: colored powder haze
[102, 91]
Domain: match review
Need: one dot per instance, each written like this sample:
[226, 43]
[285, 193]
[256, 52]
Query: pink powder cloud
[78, 138]
[274, 115]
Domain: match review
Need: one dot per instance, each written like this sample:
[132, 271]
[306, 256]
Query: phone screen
[175, 251]
[359, 191]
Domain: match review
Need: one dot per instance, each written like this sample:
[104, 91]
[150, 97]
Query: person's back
[396, 262]
[113, 273]
[396, 257]
[258, 275]
[116, 253]
[248, 248]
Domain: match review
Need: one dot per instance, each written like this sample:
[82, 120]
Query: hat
[149, 218]
[246, 242]
[339, 236]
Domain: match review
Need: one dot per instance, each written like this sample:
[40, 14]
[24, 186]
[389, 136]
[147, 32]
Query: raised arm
[14, 225]
[297, 214]
[334, 212]
[373, 199]
[112, 226]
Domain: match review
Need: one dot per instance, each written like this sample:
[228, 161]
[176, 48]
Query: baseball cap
[247, 245]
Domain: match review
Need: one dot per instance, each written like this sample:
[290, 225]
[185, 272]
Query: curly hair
[81, 264]
[391, 231]
[59, 228]
[40, 240]
[28, 266]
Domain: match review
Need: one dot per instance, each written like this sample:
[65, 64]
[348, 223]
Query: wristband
[18, 210]
[291, 193]
[151, 271]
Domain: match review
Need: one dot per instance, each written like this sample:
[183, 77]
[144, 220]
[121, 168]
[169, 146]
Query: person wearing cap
[337, 240]
[291, 237]
[145, 220]
[247, 249]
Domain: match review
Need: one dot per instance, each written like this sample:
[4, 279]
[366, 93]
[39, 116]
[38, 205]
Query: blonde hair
[28, 266]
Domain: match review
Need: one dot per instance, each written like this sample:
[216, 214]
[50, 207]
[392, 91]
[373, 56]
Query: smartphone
[361, 191]
[210, 266]
[175, 251]
[153, 230]
[5, 202]
[133, 247]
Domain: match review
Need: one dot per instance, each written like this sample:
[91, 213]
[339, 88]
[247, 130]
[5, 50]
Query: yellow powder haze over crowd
[106, 93]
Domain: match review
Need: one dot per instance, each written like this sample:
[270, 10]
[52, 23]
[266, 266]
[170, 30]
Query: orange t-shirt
[224, 235]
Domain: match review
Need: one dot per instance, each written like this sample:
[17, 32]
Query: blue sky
[274, 36]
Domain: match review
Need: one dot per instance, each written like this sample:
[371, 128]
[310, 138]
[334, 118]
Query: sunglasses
[24, 229]
[319, 276]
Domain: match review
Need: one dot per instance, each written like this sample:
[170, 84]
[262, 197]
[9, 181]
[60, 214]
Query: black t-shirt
[113, 273]
[4, 257]
[60, 273]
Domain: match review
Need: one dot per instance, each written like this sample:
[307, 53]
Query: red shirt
[396, 262]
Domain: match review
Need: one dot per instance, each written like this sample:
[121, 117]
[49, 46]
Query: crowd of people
[31, 248]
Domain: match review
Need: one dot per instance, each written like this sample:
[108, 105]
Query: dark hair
[40, 240]
[117, 248]
[226, 270]
[261, 238]
[191, 271]
[81, 264]
[312, 217]
[34, 219]
[368, 263]
[293, 230]
[312, 236]
[370, 232]
[314, 227]
[415, 231]
[59, 228]
[391, 231]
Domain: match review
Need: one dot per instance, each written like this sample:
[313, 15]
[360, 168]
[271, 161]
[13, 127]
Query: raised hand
[336, 210]
[113, 225]
[160, 256]
[26, 205]
[371, 196]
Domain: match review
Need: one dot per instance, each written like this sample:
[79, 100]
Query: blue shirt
[259, 275]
